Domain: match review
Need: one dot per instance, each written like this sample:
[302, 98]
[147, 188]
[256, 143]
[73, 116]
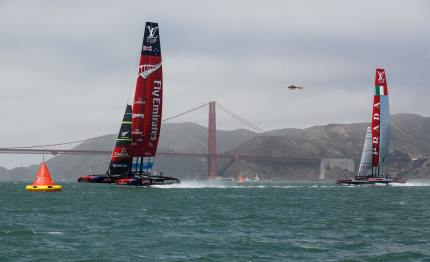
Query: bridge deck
[161, 154]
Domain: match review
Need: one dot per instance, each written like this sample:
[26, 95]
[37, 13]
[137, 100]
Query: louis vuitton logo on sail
[147, 70]
[381, 77]
[152, 37]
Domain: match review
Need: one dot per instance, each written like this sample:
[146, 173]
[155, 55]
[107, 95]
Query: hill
[339, 145]
[410, 137]
[178, 137]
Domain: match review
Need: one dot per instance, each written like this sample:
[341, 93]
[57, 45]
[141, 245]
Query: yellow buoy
[43, 182]
[54, 188]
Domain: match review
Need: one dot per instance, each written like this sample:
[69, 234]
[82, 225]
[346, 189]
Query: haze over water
[197, 221]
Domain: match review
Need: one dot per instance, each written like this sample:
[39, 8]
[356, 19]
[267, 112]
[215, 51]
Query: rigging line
[241, 119]
[186, 112]
[58, 144]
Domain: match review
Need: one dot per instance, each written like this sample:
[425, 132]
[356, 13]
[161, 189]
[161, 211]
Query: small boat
[136, 145]
[399, 180]
[224, 179]
[255, 179]
[377, 140]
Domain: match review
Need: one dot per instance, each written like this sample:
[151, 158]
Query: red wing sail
[375, 130]
[380, 100]
[147, 105]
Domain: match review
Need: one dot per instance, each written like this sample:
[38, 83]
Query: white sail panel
[385, 130]
[365, 168]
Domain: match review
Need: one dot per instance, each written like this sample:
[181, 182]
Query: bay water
[216, 221]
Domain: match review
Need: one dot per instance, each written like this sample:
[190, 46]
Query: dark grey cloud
[67, 67]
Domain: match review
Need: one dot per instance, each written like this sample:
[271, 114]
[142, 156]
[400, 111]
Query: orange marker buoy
[43, 181]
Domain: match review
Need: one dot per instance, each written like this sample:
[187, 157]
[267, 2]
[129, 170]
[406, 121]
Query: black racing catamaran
[136, 145]
[377, 141]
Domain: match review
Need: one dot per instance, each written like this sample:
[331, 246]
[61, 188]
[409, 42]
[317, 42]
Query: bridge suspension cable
[224, 109]
[57, 144]
[241, 119]
[186, 112]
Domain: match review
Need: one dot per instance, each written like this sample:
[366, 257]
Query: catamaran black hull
[148, 181]
[366, 181]
[133, 181]
[98, 179]
[358, 183]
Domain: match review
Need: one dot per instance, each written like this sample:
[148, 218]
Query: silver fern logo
[147, 70]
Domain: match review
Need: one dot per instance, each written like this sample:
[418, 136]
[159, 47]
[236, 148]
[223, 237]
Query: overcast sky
[66, 67]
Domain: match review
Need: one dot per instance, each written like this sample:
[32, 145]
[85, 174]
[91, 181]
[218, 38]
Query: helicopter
[293, 87]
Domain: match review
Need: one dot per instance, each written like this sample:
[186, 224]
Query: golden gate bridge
[211, 155]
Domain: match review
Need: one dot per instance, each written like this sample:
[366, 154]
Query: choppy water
[216, 222]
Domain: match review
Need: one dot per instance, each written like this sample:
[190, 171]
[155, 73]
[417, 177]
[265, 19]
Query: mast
[380, 123]
[147, 105]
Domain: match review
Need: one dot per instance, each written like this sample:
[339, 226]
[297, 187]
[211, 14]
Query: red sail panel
[153, 111]
[376, 130]
[148, 96]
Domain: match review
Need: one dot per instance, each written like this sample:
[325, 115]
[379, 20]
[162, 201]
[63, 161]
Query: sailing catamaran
[377, 140]
[136, 145]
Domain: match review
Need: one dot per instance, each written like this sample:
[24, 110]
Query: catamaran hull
[365, 181]
[148, 181]
[98, 179]
[132, 181]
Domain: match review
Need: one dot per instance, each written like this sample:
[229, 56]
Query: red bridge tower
[212, 140]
